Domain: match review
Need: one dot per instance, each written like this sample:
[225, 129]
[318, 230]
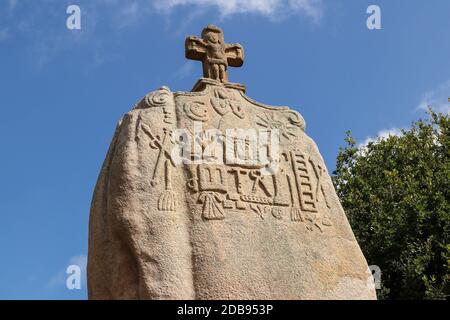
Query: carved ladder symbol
[303, 180]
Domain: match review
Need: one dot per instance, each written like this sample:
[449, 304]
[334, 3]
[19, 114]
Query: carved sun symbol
[269, 122]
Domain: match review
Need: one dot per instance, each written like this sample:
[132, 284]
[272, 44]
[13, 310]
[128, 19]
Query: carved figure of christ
[215, 54]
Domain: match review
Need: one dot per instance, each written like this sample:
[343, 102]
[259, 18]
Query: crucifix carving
[215, 54]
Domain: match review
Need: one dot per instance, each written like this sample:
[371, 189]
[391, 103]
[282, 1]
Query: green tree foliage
[396, 193]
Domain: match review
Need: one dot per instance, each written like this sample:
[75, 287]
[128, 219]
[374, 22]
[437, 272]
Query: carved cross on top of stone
[215, 54]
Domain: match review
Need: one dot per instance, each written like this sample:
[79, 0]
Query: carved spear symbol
[156, 143]
[155, 170]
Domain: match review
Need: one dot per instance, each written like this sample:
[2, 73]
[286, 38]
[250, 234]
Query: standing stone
[209, 194]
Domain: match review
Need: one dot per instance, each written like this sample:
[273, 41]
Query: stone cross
[215, 54]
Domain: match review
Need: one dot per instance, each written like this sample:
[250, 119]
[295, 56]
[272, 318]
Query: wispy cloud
[273, 9]
[130, 12]
[437, 99]
[383, 134]
[47, 41]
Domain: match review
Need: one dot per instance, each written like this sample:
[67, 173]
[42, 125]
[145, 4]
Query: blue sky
[62, 92]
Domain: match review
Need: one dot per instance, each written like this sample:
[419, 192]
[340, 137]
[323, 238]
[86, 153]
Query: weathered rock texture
[160, 229]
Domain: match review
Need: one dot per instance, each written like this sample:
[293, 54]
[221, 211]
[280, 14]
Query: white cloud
[437, 99]
[129, 12]
[312, 8]
[268, 8]
[383, 134]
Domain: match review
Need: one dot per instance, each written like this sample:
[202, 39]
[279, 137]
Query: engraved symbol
[308, 192]
[166, 201]
[318, 170]
[158, 98]
[256, 199]
[268, 121]
[303, 182]
[211, 205]
[250, 189]
[296, 119]
[196, 110]
[224, 102]
[155, 143]
[277, 213]
[312, 222]
[296, 213]
[161, 98]
[237, 173]
[212, 178]
[258, 180]
[236, 198]
[259, 209]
